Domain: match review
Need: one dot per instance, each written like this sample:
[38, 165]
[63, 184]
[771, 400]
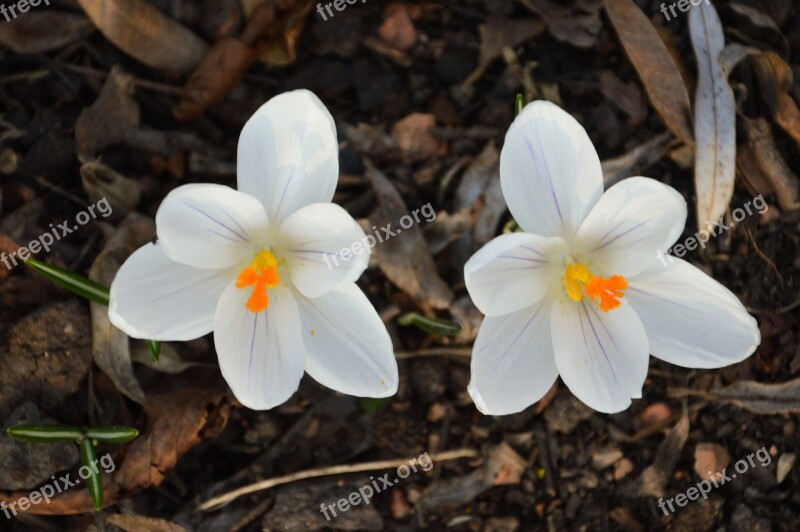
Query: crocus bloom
[581, 292]
[248, 264]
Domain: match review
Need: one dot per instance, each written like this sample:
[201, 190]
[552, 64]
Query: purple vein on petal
[547, 171]
[513, 343]
[600, 344]
[252, 349]
[242, 237]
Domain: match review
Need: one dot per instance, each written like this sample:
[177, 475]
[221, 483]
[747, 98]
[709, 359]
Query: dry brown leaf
[659, 74]
[497, 33]
[35, 34]
[767, 399]
[404, 258]
[769, 159]
[397, 28]
[775, 79]
[101, 181]
[578, 26]
[714, 119]
[146, 34]
[109, 119]
[709, 458]
[639, 158]
[137, 523]
[177, 421]
[626, 96]
[277, 41]
[655, 477]
[109, 344]
[412, 135]
[218, 73]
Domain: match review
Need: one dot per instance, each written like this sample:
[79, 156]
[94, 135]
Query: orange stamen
[606, 293]
[261, 275]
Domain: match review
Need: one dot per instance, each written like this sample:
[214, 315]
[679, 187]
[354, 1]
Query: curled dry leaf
[767, 399]
[769, 163]
[277, 43]
[413, 137]
[101, 181]
[397, 28]
[34, 34]
[109, 344]
[112, 115]
[655, 477]
[661, 78]
[218, 73]
[709, 458]
[146, 34]
[497, 33]
[578, 26]
[136, 523]
[404, 258]
[177, 421]
[775, 80]
[714, 120]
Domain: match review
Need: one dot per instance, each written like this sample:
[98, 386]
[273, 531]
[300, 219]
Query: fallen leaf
[412, 135]
[578, 26]
[759, 25]
[109, 344]
[767, 399]
[137, 523]
[34, 34]
[783, 181]
[216, 75]
[404, 258]
[110, 117]
[101, 181]
[636, 160]
[397, 28]
[714, 120]
[177, 421]
[709, 459]
[775, 80]
[655, 477]
[146, 34]
[498, 33]
[659, 74]
[785, 465]
[626, 96]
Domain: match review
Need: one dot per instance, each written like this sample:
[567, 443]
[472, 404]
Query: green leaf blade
[94, 483]
[45, 433]
[71, 281]
[432, 326]
[112, 434]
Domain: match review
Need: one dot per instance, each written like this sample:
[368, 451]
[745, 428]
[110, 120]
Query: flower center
[261, 274]
[606, 293]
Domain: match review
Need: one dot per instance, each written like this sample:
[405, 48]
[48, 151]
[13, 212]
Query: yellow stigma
[261, 274]
[606, 293]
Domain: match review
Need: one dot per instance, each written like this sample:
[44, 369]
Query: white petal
[347, 346]
[314, 240]
[288, 154]
[633, 220]
[549, 171]
[210, 226]
[691, 320]
[512, 272]
[155, 298]
[602, 356]
[512, 361]
[260, 354]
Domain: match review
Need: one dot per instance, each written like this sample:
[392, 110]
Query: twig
[261, 485]
[457, 352]
[143, 83]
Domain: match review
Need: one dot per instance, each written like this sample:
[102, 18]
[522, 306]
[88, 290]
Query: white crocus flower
[248, 264]
[582, 293]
